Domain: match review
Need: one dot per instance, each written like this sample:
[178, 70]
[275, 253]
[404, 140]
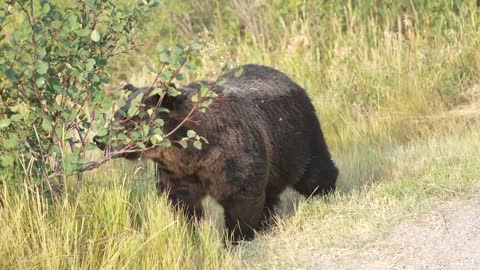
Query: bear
[263, 136]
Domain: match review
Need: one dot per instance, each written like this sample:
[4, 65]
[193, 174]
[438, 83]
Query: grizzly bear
[263, 136]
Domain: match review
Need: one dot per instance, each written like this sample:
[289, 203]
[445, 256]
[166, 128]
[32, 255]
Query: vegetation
[397, 88]
[54, 65]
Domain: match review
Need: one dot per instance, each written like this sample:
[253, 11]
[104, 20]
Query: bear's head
[169, 109]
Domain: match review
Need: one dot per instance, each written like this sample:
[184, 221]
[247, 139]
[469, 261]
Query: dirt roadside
[447, 237]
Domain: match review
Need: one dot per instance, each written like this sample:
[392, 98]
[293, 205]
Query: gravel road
[444, 238]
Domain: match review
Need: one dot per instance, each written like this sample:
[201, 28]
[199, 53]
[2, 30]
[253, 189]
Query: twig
[183, 121]
[95, 164]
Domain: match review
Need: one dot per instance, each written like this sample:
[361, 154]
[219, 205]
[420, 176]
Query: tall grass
[108, 223]
[396, 85]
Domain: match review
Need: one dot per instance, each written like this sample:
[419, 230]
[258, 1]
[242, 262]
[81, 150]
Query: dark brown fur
[263, 137]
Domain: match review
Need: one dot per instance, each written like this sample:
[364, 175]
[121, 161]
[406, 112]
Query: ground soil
[447, 237]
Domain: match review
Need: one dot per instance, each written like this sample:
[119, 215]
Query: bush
[52, 69]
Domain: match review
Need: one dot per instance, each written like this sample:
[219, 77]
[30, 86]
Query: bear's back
[256, 81]
[268, 100]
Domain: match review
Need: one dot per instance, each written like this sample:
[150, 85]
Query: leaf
[212, 94]
[82, 32]
[156, 90]
[150, 112]
[72, 162]
[165, 58]
[153, 3]
[40, 82]
[145, 129]
[140, 145]
[95, 35]
[16, 117]
[157, 131]
[191, 133]
[122, 102]
[177, 50]
[107, 103]
[173, 92]
[157, 138]
[182, 60]
[22, 108]
[42, 67]
[102, 132]
[90, 64]
[132, 110]
[166, 74]
[206, 103]
[73, 22]
[239, 72]
[196, 46]
[151, 69]
[164, 110]
[56, 149]
[173, 59]
[221, 81]
[59, 132]
[195, 98]
[11, 75]
[122, 137]
[47, 125]
[10, 143]
[166, 143]
[159, 122]
[102, 62]
[162, 47]
[46, 8]
[204, 90]
[184, 144]
[197, 144]
[5, 123]
[118, 27]
[135, 104]
[41, 52]
[180, 77]
[67, 135]
[6, 161]
[90, 146]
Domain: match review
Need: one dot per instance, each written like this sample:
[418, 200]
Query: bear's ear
[131, 88]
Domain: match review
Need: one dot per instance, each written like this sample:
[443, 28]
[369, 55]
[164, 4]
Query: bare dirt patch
[447, 237]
